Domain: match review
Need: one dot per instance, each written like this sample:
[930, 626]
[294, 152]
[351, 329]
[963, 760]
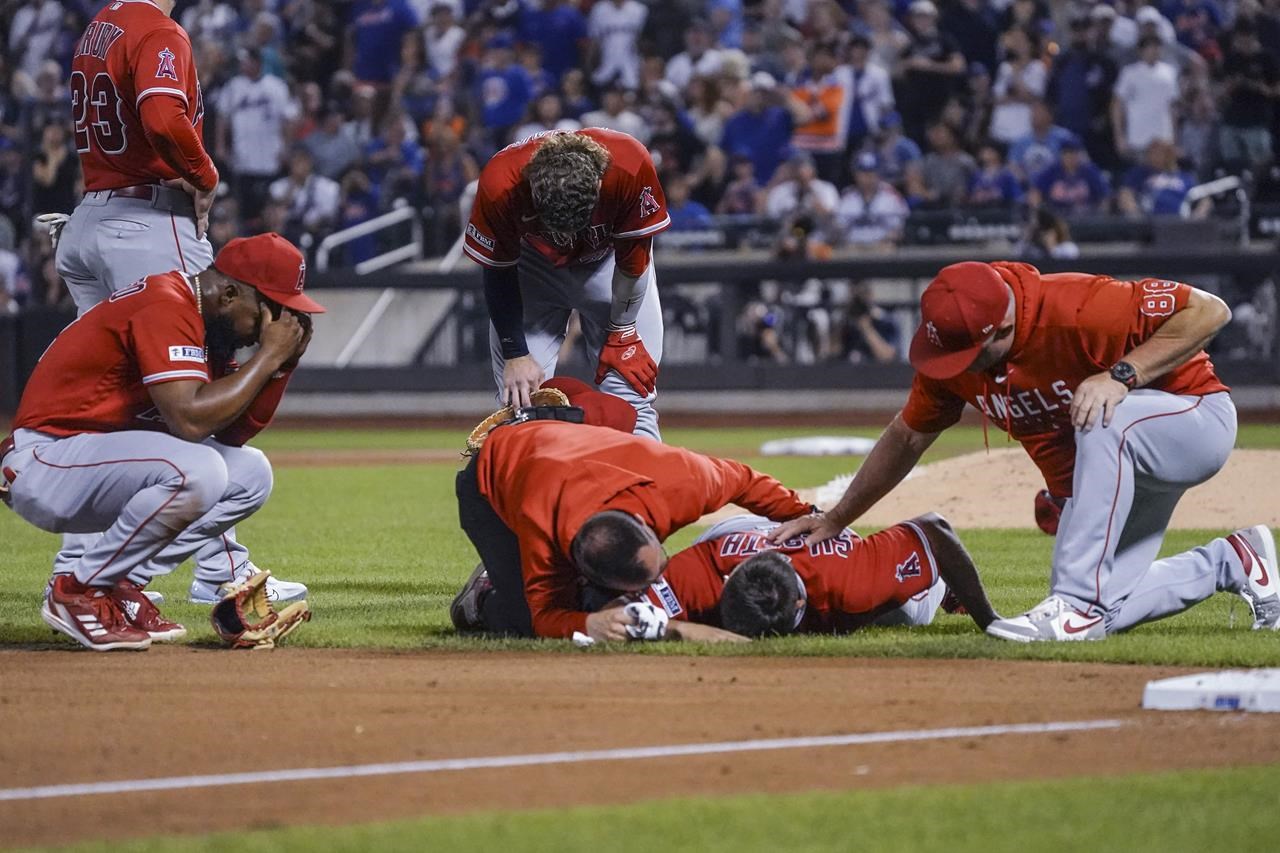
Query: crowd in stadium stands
[836, 118]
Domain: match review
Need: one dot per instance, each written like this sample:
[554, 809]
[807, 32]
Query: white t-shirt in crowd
[1148, 93]
[258, 110]
[865, 222]
[313, 204]
[1011, 121]
[624, 122]
[682, 68]
[442, 48]
[616, 29]
[528, 129]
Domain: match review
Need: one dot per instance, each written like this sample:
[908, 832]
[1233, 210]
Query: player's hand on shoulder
[1095, 401]
[279, 339]
[815, 528]
[521, 376]
[607, 625]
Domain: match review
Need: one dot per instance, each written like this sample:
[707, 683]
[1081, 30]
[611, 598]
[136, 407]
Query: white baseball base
[1228, 690]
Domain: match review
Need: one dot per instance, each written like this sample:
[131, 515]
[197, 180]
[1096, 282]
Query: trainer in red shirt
[535, 497]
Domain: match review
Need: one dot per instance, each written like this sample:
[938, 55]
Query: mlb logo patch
[667, 596]
[195, 354]
[910, 569]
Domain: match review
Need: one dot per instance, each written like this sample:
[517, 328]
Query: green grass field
[380, 549]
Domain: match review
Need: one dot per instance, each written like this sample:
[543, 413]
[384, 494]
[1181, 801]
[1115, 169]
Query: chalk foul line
[304, 774]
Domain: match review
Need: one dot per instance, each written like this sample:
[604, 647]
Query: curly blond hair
[564, 178]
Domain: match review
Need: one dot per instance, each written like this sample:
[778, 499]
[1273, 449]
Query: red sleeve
[550, 584]
[168, 342]
[169, 130]
[755, 492]
[931, 406]
[258, 416]
[1120, 315]
[632, 256]
[638, 198]
[492, 238]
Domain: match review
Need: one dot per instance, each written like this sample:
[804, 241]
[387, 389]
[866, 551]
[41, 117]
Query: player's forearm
[628, 297]
[894, 455]
[169, 130]
[1181, 337]
[216, 405]
[506, 309]
[260, 413]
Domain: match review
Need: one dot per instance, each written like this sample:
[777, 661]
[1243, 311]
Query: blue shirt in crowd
[1033, 154]
[1079, 192]
[379, 27]
[994, 188]
[765, 137]
[504, 94]
[557, 31]
[1159, 193]
[689, 216]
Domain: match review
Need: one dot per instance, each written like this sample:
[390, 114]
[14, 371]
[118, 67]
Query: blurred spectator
[943, 178]
[1046, 236]
[547, 114]
[310, 200]
[1080, 90]
[573, 94]
[559, 29]
[758, 333]
[973, 24]
[1073, 185]
[1251, 83]
[824, 95]
[1185, 61]
[1198, 131]
[49, 97]
[726, 21]
[1145, 93]
[449, 169]
[224, 222]
[743, 196]
[1158, 186]
[1038, 150]
[898, 154]
[1116, 33]
[889, 40]
[970, 111]
[803, 193]
[872, 94]
[686, 214]
[15, 286]
[503, 90]
[55, 173]
[32, 33]
[708, 110]
[993, 184]
[359, 203]
[615, 26]
[698, 59]
[529, 57]
[1019, 83]
[761, 130]
[871, 213]
[869, 332]
[210, 19]
[332, 148]
[442, 40]
[256, 109]
[1197, 23]
[316, 41]
[360, 126]
[615, 115]
[377, 30]
[932, 68]
[393, 162]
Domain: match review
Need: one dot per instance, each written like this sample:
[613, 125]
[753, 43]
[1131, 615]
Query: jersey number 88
[107, 125]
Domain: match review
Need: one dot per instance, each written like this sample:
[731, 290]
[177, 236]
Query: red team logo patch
[648, 204]
[166, 68]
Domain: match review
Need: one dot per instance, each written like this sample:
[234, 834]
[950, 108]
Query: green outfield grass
[1232, 810]
[382, 553]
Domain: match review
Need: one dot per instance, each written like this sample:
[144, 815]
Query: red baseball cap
[271, 265]
[958, 312]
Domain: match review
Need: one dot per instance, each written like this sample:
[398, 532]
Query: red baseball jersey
[631, 207]
[1069, 326]
[130, 51]
[94, 376]
[848, 580]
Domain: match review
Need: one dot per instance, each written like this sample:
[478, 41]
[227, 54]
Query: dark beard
[220, 338]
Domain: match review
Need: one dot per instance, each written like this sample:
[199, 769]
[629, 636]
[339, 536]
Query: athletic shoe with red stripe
[1052, 620]
[1256, 548]
[142, 614]
[89, 616]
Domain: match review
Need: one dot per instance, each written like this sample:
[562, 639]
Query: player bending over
[134, 422]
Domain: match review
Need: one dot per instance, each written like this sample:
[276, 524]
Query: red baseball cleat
[89, 616]
[142, 614]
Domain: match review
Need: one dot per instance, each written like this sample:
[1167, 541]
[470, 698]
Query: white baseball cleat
[1052, 620]
[1256, 548]
[278, 591]
[156, 598]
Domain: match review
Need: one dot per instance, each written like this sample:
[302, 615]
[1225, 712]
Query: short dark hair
[759, 598]
[606, 550]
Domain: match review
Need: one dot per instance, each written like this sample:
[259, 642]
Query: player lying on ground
[548, 504]
[1107, 386]
[734, 577]
[121, 430]
[563, 221]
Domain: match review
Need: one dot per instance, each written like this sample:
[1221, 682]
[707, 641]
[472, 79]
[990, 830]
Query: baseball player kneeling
[134, 422]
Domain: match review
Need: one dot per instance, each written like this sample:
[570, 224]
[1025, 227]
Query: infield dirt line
[175, 783]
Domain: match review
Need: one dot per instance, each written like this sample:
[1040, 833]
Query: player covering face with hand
[134, 422]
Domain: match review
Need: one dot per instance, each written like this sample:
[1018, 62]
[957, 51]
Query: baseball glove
[245, 619]
[541, 397]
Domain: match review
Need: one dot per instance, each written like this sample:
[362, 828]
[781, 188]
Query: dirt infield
[73, 717]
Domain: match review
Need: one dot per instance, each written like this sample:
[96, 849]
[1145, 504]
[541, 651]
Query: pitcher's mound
[996, 489]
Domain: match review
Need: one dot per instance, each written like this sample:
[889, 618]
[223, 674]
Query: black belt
[171, 199]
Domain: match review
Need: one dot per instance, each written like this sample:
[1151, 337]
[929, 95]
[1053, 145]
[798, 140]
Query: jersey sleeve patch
[662, 594]
[165, 66]
[187, 353]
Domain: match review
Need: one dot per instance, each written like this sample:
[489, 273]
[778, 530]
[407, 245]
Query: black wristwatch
[1123, 372]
